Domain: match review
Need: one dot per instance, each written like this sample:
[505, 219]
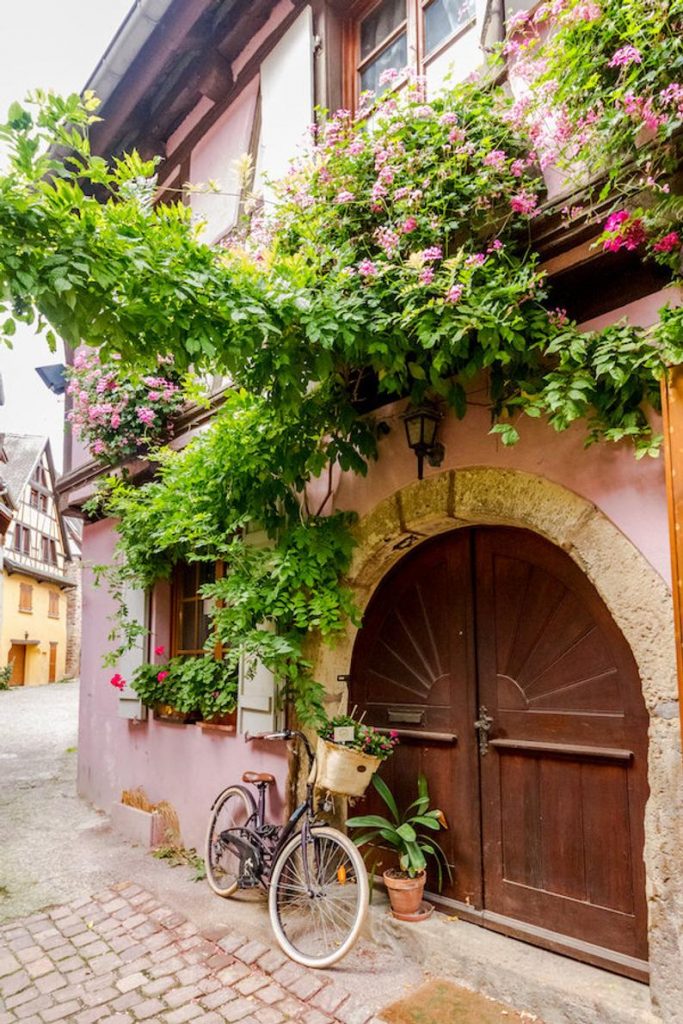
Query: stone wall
[74, 604]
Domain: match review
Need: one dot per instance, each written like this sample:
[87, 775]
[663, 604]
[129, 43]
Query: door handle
[483, 726]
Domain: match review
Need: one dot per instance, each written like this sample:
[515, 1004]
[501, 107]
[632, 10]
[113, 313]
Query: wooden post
[672, 410]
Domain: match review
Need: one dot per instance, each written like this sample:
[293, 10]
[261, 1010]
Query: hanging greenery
[400, 246]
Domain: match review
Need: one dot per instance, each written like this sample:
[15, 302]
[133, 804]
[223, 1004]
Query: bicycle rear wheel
[318, 897]
[234, 808]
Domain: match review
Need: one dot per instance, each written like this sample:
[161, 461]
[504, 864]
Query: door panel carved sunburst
[551, 653]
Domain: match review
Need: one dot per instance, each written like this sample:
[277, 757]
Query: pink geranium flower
[117, 681]
[366, 268]
[161, 676]
[624, 56]
[524, 202]
[146, 416]
[496, 158]
[409, 224]
[159, 650]
[668, 243]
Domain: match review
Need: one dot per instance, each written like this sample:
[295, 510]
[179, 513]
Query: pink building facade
[257, 82]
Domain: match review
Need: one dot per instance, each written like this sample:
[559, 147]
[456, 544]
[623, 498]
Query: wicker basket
[342, 770]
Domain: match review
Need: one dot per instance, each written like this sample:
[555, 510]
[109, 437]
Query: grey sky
[48, 44]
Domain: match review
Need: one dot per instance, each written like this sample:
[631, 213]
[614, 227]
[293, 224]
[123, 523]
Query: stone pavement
[122, 956]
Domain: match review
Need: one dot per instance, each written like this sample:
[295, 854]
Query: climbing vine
[400, 250]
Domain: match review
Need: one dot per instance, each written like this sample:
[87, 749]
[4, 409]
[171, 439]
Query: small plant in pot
[410, 836]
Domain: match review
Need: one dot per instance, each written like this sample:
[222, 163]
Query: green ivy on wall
[400, 245]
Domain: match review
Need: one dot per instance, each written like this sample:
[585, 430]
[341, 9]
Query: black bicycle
[315, 877]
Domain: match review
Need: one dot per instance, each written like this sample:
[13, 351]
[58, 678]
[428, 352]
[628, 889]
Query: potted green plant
[410, 836]
[349, 753]
[186, 689]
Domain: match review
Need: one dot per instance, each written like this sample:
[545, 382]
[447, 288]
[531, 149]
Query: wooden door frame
[672, 412]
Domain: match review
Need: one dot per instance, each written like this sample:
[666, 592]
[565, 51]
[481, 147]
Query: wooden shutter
[25, 597]
[130, 705]
[258, 707]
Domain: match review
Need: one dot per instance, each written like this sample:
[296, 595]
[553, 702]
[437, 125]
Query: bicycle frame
[247, 839]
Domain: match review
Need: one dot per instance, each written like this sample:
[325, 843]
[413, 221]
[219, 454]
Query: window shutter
[130, 705]
[257, 702]
[286, 101]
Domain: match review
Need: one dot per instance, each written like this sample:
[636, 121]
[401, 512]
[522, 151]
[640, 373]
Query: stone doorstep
[550, 987]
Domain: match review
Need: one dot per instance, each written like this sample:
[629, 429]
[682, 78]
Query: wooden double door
[515, 693]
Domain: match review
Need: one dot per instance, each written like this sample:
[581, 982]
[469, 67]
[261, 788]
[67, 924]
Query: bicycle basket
[343, 771]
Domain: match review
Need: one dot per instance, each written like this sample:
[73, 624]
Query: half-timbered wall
[33, 615]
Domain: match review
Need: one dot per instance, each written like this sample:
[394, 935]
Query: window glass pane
[379, 24]
[204, 624]
[444, 17]
[188, 638]
[188, 580]
[207, 573]
[515, 6]
[395, 56]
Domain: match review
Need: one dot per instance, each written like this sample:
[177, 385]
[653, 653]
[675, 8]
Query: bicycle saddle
[256, 777]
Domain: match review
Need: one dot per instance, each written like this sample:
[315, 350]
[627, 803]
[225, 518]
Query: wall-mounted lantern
[421, 425]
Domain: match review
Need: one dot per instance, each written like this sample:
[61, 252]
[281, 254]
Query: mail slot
[409, 716]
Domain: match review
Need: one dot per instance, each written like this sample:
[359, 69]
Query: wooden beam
[250, 69]
[140, 79]
[672, 409]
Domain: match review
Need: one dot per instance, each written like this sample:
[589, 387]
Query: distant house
[35, 563]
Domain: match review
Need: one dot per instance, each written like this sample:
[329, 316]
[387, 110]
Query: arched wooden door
[498, 626]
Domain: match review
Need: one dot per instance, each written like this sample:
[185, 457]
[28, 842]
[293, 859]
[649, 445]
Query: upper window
[191, 621]
[22, 539]
[383, 42]
[445, 18]
[53, 604]
[395, 34]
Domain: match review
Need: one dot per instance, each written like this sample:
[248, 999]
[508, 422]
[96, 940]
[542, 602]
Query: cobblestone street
[122, 956]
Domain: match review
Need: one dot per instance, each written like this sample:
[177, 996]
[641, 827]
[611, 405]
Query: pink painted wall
[188, 767]
[179, 763]
[631, 493]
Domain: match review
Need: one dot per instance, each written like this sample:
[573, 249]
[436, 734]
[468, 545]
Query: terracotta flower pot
[405, 894]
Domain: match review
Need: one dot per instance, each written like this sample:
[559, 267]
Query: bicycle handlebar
[285, 734]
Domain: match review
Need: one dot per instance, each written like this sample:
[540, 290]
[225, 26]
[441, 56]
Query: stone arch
[640, 603]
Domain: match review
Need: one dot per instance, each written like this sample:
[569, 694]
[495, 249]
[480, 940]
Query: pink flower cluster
[626, 232]
[524, 202]
[669, 243]
[118, 682]
[114, 415]
[496, 158]
[624, 56]
[642, 110]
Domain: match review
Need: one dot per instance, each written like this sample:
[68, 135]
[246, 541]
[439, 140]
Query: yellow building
[33, 559]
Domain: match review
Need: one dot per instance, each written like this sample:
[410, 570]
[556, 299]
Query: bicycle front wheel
[234, 809]
[318, 897]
